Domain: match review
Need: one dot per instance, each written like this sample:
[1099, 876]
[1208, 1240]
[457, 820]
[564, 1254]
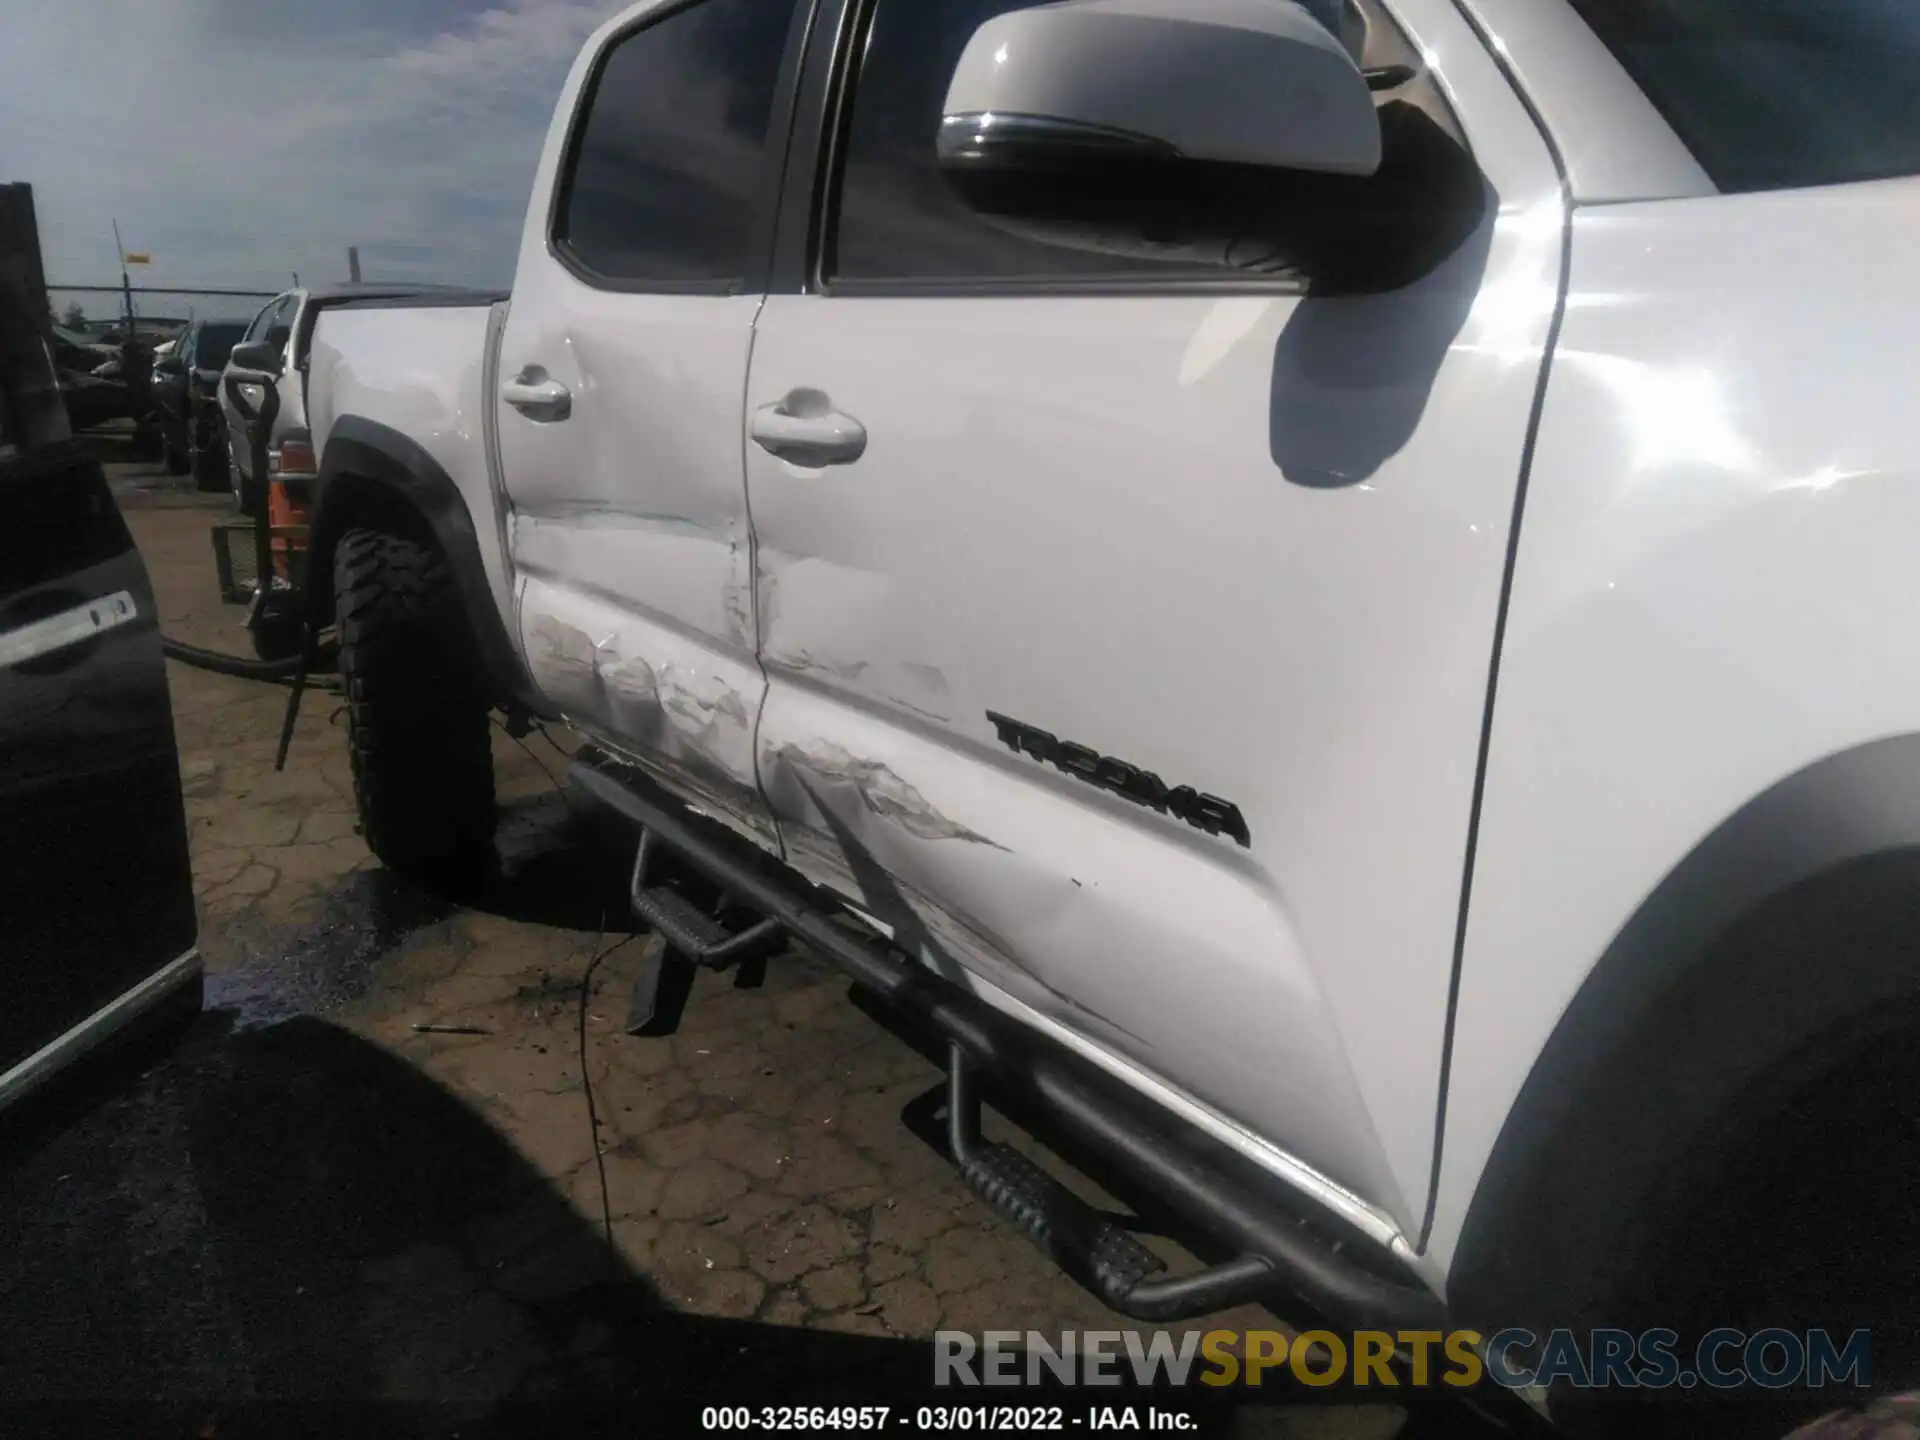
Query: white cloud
[240, 151]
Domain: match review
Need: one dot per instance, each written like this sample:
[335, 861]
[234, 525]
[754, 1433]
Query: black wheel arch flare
[1784, 944]
[372, 475]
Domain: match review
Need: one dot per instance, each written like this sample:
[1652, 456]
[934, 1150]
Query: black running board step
[696, 936]
[1310, 1263]
[1101, 1255]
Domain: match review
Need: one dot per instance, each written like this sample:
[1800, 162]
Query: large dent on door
[879, 790]
[962, 902]
[675, 708]
[883, 813]
[653, 695]
[856, 824]
[854, 821]
[835, 835]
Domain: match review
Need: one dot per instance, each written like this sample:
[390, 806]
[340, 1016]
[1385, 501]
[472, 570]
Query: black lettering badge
[1144, 788]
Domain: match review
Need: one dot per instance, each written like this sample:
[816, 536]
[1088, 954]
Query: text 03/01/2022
[943, 1419]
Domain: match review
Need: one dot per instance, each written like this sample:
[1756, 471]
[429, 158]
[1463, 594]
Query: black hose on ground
[279, 672]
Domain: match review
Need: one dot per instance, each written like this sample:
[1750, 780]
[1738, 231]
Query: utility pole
[353, 263]
[126, 281]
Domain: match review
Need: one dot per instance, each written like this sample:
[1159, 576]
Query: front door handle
[537, 395]
[804, 429]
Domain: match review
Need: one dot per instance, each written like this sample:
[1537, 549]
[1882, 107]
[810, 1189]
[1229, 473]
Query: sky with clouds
[241, 140]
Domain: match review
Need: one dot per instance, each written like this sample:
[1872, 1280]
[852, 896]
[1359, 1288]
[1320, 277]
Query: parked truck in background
[186, 381]
[1332, 584]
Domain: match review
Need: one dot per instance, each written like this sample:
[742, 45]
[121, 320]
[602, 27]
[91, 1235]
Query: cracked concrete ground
[752, 1167]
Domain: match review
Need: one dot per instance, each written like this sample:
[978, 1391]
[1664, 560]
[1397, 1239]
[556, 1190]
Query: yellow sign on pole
[137, 257]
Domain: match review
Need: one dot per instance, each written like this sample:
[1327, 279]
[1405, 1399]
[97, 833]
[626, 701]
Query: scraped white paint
[652, 692]
[882, 791]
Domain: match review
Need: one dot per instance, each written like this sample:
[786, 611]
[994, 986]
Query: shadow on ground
[270, 1225]
[563, 863]
[283, 1229]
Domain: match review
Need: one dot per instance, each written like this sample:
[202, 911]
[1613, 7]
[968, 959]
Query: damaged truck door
[1135, 664]
[620, 374]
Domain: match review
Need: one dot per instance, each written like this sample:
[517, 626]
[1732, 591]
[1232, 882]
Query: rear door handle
[63, 621]
[804, 429]
[537, 395]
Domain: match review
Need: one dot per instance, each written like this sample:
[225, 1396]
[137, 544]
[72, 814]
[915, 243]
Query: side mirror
[168, 365]
[261, 355]
[1238, 82]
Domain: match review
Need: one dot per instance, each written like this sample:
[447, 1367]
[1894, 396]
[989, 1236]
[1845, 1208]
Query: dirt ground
[752, 1167]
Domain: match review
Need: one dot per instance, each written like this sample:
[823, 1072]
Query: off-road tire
[417, 711]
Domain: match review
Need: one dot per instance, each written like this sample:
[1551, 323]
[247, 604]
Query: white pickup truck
[1335, 585]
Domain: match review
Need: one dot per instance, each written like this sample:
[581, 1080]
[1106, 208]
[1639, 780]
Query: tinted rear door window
[669, 158]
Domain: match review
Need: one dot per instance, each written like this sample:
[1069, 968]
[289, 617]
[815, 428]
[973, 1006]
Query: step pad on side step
[677, 919]
[689, 930]
[1070, 1232]
[691, 936]
[1101, 1255]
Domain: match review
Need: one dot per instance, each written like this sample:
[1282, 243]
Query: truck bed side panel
[420, 370]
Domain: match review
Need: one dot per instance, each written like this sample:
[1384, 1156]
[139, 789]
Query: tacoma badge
[1204, 812]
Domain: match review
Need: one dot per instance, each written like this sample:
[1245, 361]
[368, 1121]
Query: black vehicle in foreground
[97, 928]
[186, 400]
